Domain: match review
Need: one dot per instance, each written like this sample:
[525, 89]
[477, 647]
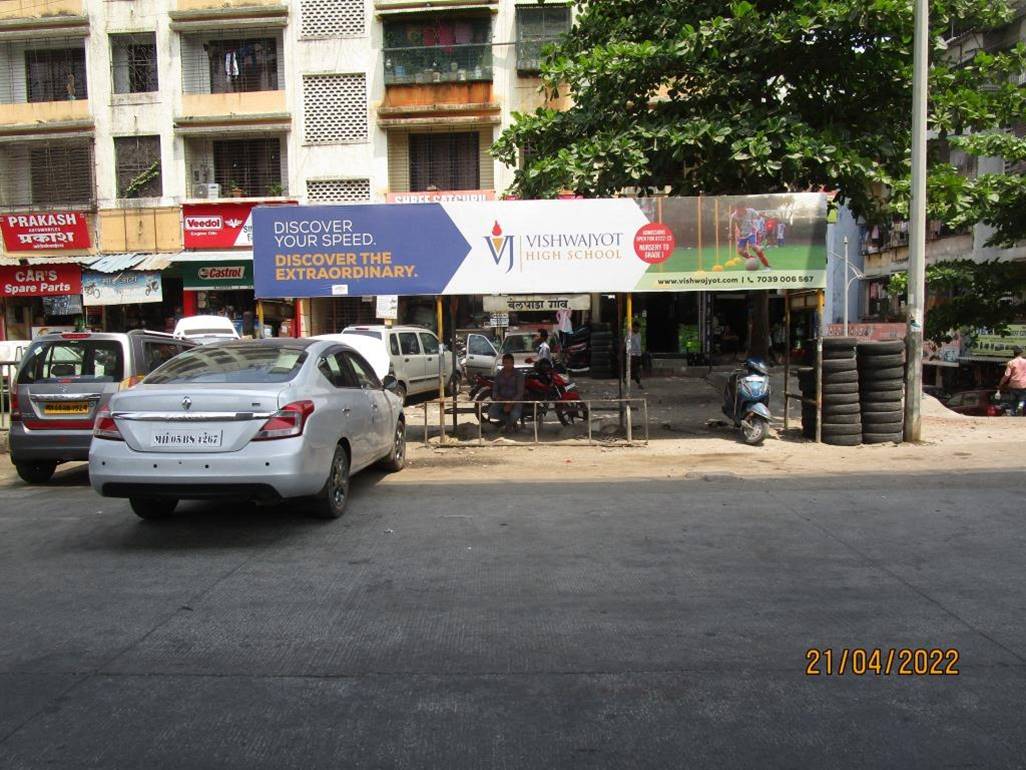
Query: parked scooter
[746, 400]
[545, 385]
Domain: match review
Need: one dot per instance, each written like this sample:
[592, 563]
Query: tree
[690, 96]
[978, 295]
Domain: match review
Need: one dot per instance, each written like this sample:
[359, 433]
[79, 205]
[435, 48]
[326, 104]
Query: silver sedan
[261, 420]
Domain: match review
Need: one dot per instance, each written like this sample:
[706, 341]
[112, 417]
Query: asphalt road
[607, 624]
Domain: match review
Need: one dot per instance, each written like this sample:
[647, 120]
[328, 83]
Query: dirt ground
[683, 443]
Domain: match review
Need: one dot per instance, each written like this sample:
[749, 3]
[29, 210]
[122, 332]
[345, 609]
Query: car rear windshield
[364, 333]
[201, 332]
[231, 363]
[518, 343]
[77, 360]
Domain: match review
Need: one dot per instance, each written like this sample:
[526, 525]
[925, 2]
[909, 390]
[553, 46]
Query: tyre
[835, 440]
[35, 473]
[841, 409]
[883, 418]
[882, 438]
[836, 399]
[831, 389]
[400, 390]
[396, 459]
[840, 429]
[833, 418]
[884, 427]
[453, 385]
[838, 354]
[597, 337]
[882, 362]
[153, 507]
[331, 502]
[754, 430]
[881, 407]
[880, 375]
[839, 343]
[880, 348]
[600, 326]
[839, 377]
[874, 388]
[839, 365]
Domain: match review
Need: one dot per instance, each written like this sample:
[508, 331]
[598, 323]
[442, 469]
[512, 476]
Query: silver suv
[64, 380]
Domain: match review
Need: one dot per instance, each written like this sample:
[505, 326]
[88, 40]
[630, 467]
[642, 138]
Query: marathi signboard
[48, 281]
[218, 225]
[386, 307]
[514, 247]
[45, 231]
[216, 276]
[997, 347]
[127, 288]
[504, 303]
[869, 331]
[441, 196]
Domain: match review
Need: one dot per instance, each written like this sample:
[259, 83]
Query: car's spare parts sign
[45, 231]
[521, 247]
[40, 281]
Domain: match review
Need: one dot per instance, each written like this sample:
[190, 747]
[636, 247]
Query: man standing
[508, 386]
[634, 351]
[1015, 379]
[544, 352]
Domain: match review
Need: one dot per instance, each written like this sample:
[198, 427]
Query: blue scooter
[746, 400]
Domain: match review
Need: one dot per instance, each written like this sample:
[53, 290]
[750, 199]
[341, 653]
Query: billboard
[529, 247]
[125, 288]
[45, 231]
[218, 225]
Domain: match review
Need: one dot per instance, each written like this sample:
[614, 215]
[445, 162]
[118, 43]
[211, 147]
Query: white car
[414, 353]
[205, 329]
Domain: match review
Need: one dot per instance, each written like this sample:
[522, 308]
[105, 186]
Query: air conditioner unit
[207, 190]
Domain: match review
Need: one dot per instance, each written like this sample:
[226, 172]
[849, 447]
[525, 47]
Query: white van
[415, 354]
[205, 329]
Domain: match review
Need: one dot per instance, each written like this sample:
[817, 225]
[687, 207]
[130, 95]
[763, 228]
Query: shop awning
[52, 259]
[116, 263]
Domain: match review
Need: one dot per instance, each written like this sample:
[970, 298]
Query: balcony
[47, 173]
[45, 89]
[438, 64]
[225, 5]
[247, 167]
[44, 116]
[53, 13]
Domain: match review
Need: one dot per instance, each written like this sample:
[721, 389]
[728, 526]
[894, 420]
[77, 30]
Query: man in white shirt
[544, 352]
[634, 351]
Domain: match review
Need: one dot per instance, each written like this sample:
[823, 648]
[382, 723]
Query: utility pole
[917, 227]
[846, 285]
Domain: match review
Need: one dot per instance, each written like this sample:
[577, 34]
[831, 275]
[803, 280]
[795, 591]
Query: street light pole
[917, 227]
[846, 284]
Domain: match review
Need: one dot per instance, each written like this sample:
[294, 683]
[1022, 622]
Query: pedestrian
[543, 351]
[634, 351]
[508, 386]
[1015, 379]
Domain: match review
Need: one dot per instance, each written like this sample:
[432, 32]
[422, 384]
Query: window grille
[133, 61]
[338, 190]
[332, 18]
[536, 28]
[334, 108]
[251, 168]
[438, 49]
[445, 161]
[49, 173]
[232, 64]
[137, 164]
[56, 74]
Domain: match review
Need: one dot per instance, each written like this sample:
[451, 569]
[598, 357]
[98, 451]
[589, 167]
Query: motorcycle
[577, 350]
[746, 400]
[544, 385]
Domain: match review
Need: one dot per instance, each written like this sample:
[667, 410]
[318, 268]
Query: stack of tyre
[842, 423]
[882, 390]
[602, 362]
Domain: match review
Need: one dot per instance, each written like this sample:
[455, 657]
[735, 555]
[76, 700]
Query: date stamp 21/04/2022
[868, 661]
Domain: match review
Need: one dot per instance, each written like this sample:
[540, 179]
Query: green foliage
[139, 182]
[979, 295]
[769, 96]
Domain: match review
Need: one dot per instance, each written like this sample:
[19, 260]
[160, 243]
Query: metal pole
[441, 382]
[917, 227]
[820, 295]
[787, 358]
[628, 362]
[845, 285]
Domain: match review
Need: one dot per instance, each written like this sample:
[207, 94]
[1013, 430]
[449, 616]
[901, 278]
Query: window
[96, 360]
[134, 63]
[363, 372]
[334, 109]
[55, 74]
[971, 399]
[478, 345]
[429, 342]
[232, 364]
[393, 344]
[435, 49]
[137, 162]
[408, 344]
[333, 371]
[61, 173]
[250, 165]
[243, 65]
[536, 28]
[156, 354]
[445, 161]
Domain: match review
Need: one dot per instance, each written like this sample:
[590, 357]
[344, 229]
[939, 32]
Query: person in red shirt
[1015, 379]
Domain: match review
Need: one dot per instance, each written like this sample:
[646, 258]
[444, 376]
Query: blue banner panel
[325, 251]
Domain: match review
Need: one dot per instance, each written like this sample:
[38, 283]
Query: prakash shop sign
[218, 225]
[127, 288]
[36, 281]
[522, 247]
[45, 231]
[218, 275]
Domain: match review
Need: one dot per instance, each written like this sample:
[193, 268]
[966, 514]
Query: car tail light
[994, 411]
[105, 427]
[131, 382]
[76, 335]
[287, 422]
[15, 409]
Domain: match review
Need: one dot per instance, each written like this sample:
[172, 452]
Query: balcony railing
[438, 64]
[530, 54]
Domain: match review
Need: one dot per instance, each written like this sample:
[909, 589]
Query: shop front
[39, 298]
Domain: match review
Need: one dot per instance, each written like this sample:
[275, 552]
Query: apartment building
[137, 135]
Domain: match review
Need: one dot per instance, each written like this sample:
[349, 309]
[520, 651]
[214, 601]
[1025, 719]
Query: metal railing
[438, 64]
[8, 371]
[537, 413]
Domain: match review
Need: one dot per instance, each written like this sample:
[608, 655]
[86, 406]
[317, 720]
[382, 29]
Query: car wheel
[453, 385]
[332, 500]
[400, 390]
[35, 473]
[397, 457]
[153, 507]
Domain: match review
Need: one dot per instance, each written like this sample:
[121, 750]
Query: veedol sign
[521, 247]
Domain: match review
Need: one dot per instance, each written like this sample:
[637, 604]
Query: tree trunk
[758, 342]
